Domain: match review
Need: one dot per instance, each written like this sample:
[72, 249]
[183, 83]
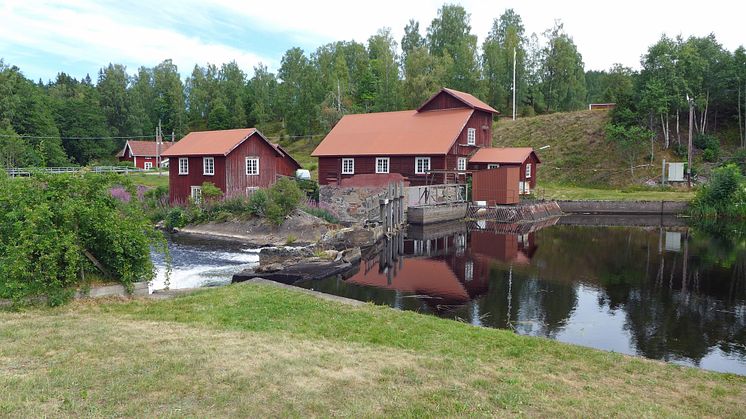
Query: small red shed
[143, 154]
[523, 157]
[238, 161]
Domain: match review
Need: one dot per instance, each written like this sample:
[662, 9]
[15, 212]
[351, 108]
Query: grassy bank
[253, 350]
[568, 192]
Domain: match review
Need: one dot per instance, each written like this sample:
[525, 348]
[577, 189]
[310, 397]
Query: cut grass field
[555, 191]
[258, 350]
[151, 179]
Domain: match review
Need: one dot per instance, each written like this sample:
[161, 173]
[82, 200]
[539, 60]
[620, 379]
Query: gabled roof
[143, 148]
[510, 155]
[214, 143]
[394, 133]
[467, 99]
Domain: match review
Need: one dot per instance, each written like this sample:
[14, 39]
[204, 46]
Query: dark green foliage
[723, 196]
[710, 146]
[176, 218]
[49, 222]
[322, 213]
[210, 193]
[287, 196]
[629, 141]
[257, 205]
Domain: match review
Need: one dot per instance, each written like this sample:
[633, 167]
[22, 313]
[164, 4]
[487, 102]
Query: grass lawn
[258, 350]
[151, 179]
[558, 191]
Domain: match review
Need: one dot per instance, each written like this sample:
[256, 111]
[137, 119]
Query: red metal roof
[214, 143]
[143, 148]
[394, 133]
[468, 99]
[514, 155]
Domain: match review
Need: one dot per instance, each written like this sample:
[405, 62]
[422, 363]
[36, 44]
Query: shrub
[322, 213]
[175, 218]
[286, 195]
[258, 203]
[710, 146]
[274, 213]
[723, 196]
[53, 228]
[210, 193]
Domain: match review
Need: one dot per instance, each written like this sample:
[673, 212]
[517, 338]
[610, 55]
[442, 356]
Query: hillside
[578, 151]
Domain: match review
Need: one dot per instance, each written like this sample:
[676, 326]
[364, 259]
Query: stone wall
[353, 204]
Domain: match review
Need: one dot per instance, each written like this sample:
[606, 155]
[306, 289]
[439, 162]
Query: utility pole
[689, 148]
[514, 84]
[158, 142]
[339, 98]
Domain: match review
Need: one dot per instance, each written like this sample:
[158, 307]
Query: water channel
[665, 291]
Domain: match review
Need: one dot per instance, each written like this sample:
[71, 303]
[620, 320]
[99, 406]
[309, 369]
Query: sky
[78, 37]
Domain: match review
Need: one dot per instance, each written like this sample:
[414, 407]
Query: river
[670, 293]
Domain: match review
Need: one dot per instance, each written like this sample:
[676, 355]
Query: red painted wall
[521, 173]
[443, 101]
[230, 172]
[140, 163]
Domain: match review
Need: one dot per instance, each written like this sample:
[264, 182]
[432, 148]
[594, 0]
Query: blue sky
[43, 37]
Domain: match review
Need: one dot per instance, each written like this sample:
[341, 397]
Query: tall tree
[262, 96]
[170, 105]
[385, 70]
[563, 83]
[449, 35]
[201, 90]
[232, 81]
[412, 38]
[506, 38]
[115, 102]
[297, 93]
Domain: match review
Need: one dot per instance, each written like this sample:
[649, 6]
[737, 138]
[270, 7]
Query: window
[421, 165]
[528, 170]
[461, 166]
[148, 165]
[197, 194]
[468, 271]
[183, 166]
[250, 190]
[382, 164]
[208, 166]
[252, 166]
[348, 166]
[493, 165]
[471, 136]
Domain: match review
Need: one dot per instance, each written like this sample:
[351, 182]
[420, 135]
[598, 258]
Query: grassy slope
[251, 350]
[579, 152]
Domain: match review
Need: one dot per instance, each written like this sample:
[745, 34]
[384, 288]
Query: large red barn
[238, 161]
[439, 136]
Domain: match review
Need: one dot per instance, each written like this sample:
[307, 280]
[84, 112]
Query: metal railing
[28, 171]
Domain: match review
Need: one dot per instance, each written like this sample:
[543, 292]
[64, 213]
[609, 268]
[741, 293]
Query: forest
[69, 121]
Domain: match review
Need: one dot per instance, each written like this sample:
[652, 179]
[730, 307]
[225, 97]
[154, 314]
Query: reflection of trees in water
[678, 304]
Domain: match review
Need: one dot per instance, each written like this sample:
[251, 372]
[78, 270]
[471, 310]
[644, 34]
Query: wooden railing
[28, 171]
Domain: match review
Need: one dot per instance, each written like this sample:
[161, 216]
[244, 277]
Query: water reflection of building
[448, 265]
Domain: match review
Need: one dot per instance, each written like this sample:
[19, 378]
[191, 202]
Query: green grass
[151, 179]
[556, 191]
[257, 350]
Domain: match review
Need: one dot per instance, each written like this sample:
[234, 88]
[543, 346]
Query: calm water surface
[670, 293]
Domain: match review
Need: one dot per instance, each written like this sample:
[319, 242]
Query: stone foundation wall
[624, 207]
[353, 204]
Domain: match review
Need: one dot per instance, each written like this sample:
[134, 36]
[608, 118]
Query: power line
[37, 137]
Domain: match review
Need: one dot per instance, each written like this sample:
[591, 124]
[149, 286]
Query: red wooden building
[439, 136]
[143, 154]
[238, 161]
[523, 157]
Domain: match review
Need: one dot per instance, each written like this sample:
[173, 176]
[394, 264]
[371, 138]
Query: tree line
[80, 121]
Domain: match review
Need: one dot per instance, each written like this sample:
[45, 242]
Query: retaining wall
[624, 207]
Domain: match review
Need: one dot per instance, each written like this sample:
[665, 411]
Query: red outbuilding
[238, 161]
[523, 157]
[420, 145]
[143, 154]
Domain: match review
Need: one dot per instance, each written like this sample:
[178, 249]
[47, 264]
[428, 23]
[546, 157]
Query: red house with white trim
[143, 154]
[238, 161]
[439, 136]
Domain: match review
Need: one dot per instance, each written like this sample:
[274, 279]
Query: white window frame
[425, 168]
[255, 168]
[208, 163]
[528, 170]
[348, 170]
[147, 165]
[461, 164]
[493, 165]
[381, 160]
[183, 165]
[196, 194]
[471, 136]
[251, 189]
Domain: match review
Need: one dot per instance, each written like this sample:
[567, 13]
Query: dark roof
[466, 98]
